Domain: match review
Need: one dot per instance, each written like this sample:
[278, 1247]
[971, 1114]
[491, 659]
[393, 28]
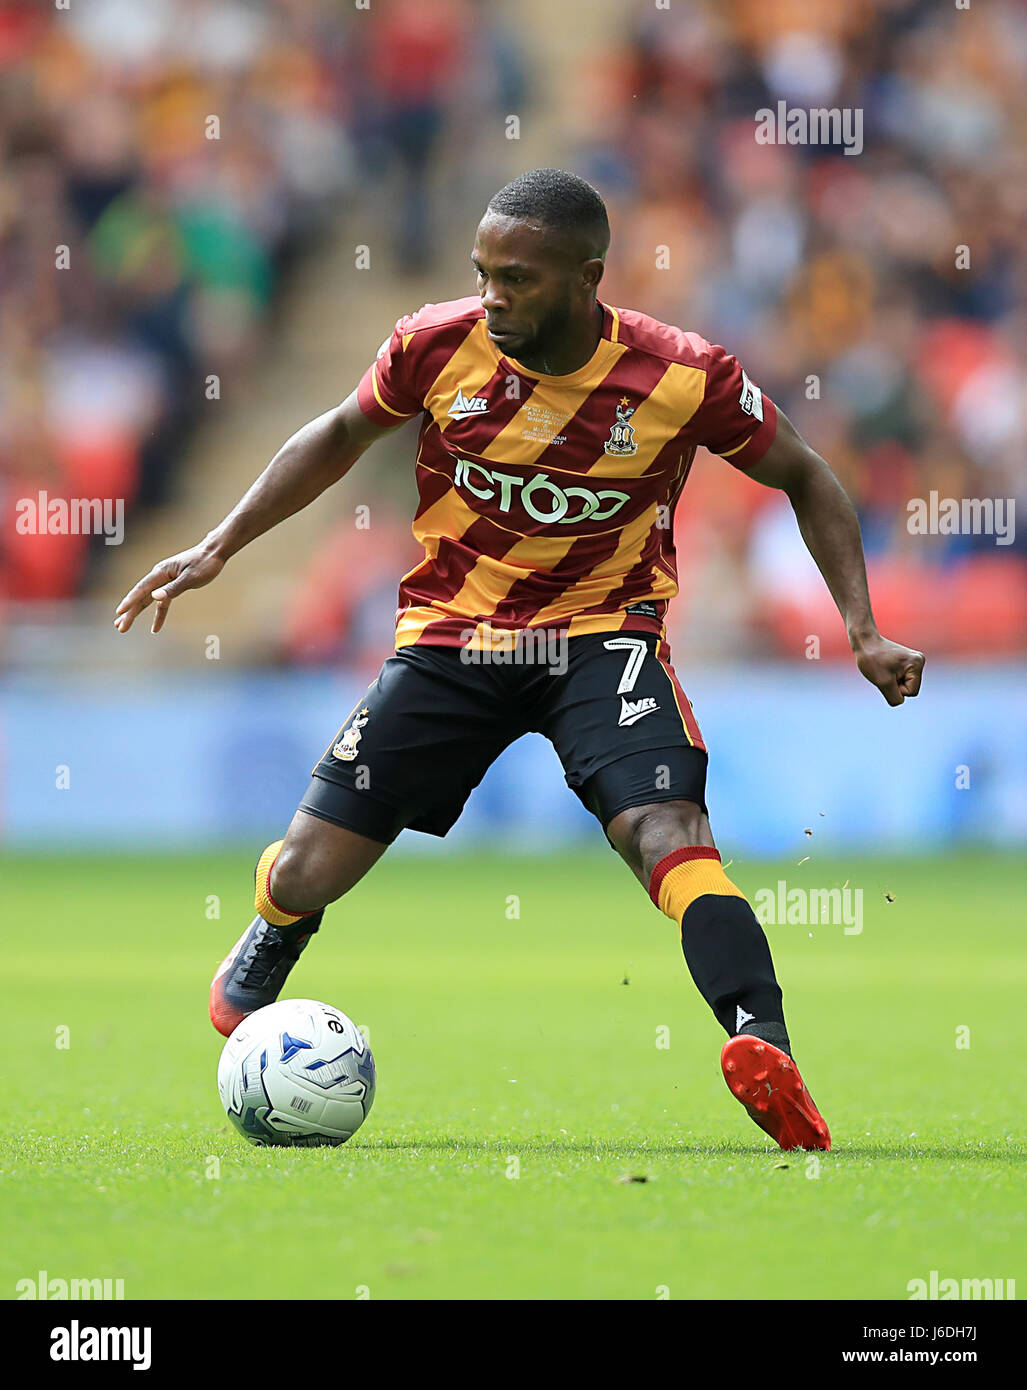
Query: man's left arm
[829, 526]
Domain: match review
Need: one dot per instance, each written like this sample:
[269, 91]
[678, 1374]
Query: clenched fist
[895, 670]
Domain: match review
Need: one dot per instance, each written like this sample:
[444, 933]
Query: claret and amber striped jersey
[547, 501]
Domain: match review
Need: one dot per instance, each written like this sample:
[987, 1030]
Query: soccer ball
[297, 1073]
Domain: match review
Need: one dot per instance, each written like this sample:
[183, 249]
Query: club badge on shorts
[346, 748]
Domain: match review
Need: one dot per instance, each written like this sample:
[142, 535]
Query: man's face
[530, 284]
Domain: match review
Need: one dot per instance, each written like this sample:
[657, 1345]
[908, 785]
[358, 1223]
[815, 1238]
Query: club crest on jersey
[346, 748]
[467, 405]
[622, 434]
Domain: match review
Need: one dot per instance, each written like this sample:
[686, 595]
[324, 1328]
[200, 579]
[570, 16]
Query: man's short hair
[559, 200]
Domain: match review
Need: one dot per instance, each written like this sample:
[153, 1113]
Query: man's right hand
[312, 459]
[189, 570]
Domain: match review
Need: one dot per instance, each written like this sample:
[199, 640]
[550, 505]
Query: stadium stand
[833, 278]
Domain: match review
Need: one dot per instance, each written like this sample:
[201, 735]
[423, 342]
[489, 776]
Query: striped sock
[262, 899]
[723, 943]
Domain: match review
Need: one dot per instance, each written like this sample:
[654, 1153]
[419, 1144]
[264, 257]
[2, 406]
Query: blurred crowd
[839, 282]
[140, 251]
[162, 162]
[141, 255]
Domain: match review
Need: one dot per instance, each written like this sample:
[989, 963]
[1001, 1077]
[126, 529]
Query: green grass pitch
[514, 1044]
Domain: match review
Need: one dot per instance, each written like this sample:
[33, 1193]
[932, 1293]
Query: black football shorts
[427, 730]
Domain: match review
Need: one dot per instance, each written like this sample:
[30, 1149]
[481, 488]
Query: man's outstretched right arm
[316, 456]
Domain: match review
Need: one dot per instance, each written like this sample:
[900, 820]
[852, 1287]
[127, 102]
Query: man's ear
[592, 272]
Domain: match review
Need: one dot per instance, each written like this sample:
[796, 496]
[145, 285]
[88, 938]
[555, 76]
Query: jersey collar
[608, 350]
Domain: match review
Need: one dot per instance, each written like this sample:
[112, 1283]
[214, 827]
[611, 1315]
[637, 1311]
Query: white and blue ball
[297, 1073]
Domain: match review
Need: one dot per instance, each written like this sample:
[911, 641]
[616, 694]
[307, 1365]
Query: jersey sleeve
[735, 418]
[388, 393]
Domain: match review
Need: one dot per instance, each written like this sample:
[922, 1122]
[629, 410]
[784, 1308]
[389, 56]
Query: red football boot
[768, 1084]
[254, 971]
